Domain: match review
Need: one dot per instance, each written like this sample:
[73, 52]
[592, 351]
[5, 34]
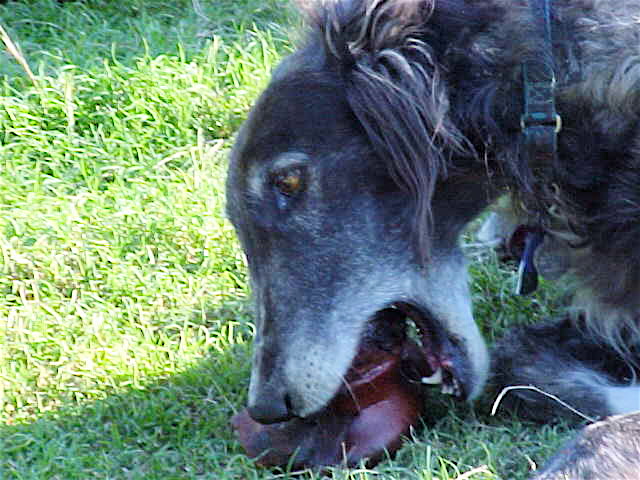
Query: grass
[125, 325]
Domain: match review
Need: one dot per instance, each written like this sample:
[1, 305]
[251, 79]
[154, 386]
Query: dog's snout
[271, 407]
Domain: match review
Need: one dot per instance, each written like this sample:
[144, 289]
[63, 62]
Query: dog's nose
[271, 407]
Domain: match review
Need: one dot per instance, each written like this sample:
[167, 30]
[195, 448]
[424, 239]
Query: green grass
[125, 324]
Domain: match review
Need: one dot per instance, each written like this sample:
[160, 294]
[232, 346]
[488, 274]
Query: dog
[381, 138]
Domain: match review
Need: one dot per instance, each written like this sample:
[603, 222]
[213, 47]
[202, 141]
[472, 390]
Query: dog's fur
[393, 127]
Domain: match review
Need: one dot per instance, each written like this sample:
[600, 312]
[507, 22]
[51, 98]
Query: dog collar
[540, 121]
[540, 125]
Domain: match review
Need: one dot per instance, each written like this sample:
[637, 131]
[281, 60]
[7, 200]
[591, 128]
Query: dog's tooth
[434, 379]
[447, 389]
[455, 389]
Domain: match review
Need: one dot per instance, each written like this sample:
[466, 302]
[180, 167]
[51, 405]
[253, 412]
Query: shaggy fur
[606, 449]
[397, 123]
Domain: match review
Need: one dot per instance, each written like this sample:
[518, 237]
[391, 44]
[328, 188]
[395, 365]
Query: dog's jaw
[316, 359]
[355, 379]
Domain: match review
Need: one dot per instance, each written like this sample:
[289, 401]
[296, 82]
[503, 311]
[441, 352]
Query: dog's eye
[289, 182]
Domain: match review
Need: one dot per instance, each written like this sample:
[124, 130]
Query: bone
[435, 379]
[365, 422]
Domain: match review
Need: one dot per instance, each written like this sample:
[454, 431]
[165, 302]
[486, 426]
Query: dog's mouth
[427, 355]
[403, 350]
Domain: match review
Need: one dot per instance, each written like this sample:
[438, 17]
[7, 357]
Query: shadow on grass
[174, 428]
[178, 428]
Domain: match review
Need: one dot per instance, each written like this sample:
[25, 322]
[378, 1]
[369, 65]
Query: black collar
[540, 124]
[540, 121]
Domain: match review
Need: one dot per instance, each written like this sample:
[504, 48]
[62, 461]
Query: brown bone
[362, 422]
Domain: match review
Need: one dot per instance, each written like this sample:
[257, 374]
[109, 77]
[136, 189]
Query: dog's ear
[383, 52]
[401, 8]
[374, 24]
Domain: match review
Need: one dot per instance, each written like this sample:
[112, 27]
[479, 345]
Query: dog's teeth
[434, 379]
[456, 388]
[447, 389]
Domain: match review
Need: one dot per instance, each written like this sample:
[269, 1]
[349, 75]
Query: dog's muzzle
[402, 351]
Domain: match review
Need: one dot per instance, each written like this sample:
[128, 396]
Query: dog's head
[341, 190]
